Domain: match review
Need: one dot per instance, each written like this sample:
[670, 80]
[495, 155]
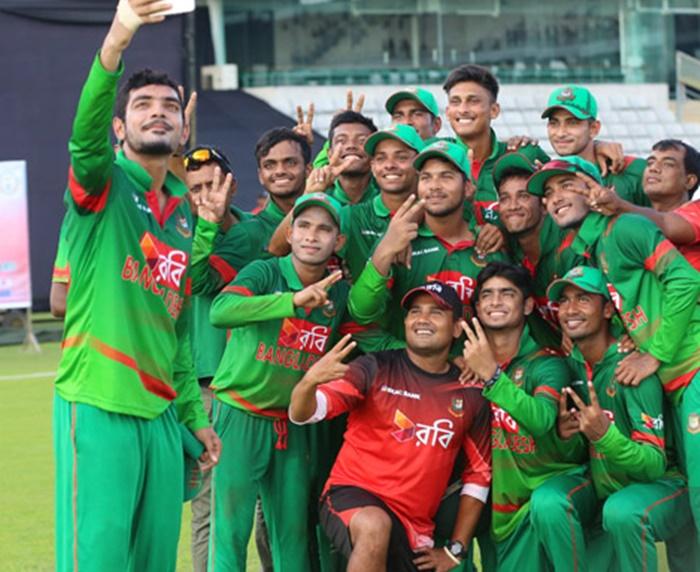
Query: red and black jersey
[405, 429]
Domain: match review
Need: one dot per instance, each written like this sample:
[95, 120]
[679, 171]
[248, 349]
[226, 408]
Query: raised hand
[517, 141]
[609, 151]
[316, 295]
[567, 420]
[331, 365]
[600, 198]
[633, 368]
[592, 420]
[489, 240]
[358, 104]
[133, 13]
[477, 353]
[321, 179]
[304, 126]
[213, 203]
[403, 227]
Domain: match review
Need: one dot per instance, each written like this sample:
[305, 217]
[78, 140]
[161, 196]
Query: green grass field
[26, 479]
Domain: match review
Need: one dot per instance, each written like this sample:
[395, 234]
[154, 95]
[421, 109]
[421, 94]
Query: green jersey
[126, 345]
[628, 183]
[61, 266]
[654, 288]
[556, 259]
[525, 448]
[376, 298]
[273, 343]
[362, 224]
[208, 342]
[633, 448]
[337, 192]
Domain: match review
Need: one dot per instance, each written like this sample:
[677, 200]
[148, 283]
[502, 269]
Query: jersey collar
[527, 346]
[273, 212]
[290, 274]
[174, 186]
[379, 207]
[425, 232]
[339, 194]
[611, 354]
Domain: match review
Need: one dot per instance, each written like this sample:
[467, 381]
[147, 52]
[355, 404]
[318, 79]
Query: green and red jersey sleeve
[61, 266]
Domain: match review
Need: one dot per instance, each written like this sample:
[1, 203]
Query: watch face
[456, 548]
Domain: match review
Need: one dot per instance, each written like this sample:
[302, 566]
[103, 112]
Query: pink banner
[15, 280]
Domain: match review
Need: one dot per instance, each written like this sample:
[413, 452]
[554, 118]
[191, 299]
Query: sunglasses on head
[202, 155]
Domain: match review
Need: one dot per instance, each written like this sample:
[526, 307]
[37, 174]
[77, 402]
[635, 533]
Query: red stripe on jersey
[506, 507]
[680, 381]
[478, 469]
[353, 328]
[61, 274]
[549, 390]
[94, 202]
[646, 438]
[170, 206]
[225, 270]
[662, 248]
[342, 387]
[188, 287]
[242, 290]
[73, 341]
[566, 243]
[274, 413]
[457, 246]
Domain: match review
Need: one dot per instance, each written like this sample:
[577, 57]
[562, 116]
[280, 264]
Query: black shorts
[339, 505]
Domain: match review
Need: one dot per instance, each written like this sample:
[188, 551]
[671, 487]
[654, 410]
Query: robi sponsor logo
[168, 265]
[656, 423]
[299, 334]
[463, 285]
[439, 433]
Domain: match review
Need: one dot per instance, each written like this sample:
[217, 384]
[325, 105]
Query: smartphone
[179, 7]
[576, 385]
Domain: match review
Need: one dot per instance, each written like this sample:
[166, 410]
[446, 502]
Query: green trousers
[522, 551]
[253, 462]
[119, 489]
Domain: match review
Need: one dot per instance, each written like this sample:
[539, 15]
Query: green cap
[422, 96]
[561, 166]
[524, 159]
[585, 277]
[403, 133]
[451, 152]
[317, 200]
[575, 99]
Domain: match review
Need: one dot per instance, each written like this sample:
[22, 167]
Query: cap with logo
[402, 133]
[523, 159]
[451, 152]
[317, 200]
[444, 295]
[422, 96]
[575, 99]
[561, 166]
[586, 278]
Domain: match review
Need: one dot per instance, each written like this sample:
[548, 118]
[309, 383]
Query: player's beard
[446, 211]
[157, 148]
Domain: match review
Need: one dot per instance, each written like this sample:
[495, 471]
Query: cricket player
[415, 107]
[442, 248]
[654, 289]
[534, 240]
[633, 496]
[523, 381]
[409, 418]
[125, 377]
[572, 128]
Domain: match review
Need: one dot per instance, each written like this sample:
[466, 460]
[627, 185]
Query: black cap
[444, 295]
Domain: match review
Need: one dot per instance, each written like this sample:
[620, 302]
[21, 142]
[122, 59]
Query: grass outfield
[26, 479]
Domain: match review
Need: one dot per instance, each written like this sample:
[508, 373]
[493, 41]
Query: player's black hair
[473, 73]
[513, 173]
[139, 79]
[350, 117]
[517, 275]
[691, 159]
[277, 135]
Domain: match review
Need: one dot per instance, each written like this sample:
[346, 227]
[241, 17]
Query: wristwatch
[496, 374]
[456, 549]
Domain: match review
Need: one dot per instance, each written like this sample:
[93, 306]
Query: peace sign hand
[304, 126]
[213, 203]
[601, 199]
[567, 420]
[331, 365]
[323, 178]
[477, 352]
[316, 295]
[593, 422]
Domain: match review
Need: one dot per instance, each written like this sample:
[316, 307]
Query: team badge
[693, 423]
[567, 94]
[457, 407]
[611, 390]
[478, 259]
[518, 376]
[329, 309]
[575, 272]
[182, 227]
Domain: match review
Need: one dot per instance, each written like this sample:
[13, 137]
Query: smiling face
[314, 236]
[470, 109]
[349, 140]
[501, 306]
[429, 327]
[282, 172]
[442, 186]
[570, 135]
[665, 176]
[392, 167]
[582, 314]
[153, 122]
[519, 211]
[411, 112]
[564, 204]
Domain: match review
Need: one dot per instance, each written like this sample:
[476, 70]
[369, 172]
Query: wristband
[496, 374]
[454, 559]
[127, 17]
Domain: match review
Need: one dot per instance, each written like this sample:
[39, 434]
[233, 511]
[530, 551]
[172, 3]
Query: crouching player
[633, 496]
[409, 417]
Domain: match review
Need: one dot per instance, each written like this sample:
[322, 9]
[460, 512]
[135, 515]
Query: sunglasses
[202, 155]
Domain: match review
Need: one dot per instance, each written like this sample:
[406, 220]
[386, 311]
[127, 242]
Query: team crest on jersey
[167, 264]
[328, 309]
[457, 407]
[463, 285]
[611, 390]
[182, 226]
[299, 334]
[518, 375]
[693, 423]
